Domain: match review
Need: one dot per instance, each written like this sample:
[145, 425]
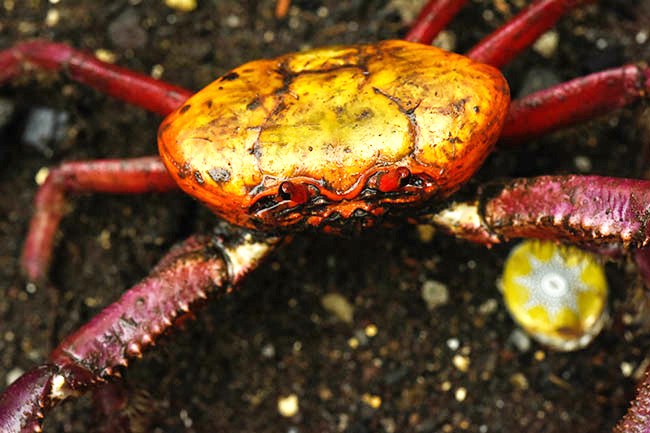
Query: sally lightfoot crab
[399, 180]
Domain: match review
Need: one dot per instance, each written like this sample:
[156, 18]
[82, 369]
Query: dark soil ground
[226, 370]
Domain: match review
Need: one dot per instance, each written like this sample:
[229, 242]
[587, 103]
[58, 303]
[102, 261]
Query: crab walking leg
[130, 176]
[146, 92]
[575, 101]
[590, 210]
[636, 419]
[507, 42]
[198, 268]
[434, 17]
[582, 209]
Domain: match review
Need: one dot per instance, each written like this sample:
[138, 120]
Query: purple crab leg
[200, 267]
[138, 89]
[591, 210]
[637, 418]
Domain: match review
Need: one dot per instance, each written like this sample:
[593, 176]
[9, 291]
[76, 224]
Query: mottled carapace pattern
[336, 132]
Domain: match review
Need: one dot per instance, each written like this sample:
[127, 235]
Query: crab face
[334, 135]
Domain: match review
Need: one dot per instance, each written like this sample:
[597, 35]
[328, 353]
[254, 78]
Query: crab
[244, 250]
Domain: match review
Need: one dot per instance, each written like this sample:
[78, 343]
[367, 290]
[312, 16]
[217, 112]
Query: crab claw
[200, 267]
[21, 405]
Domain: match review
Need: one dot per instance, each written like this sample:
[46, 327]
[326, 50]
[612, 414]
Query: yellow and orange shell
[332, 118]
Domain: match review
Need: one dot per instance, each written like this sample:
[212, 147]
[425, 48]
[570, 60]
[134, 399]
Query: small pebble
[425, 232]
[374, 401]
[31, 288]
[434, 294]
[157, 71]
[268, 36]
[185, 417]
[104, 239]
[125, 30]
[268, 351]
[233, 21]
[546, 45]
[288, 406]
[453, 343]
[627, 369]
[582, 163]
[461, 362]
[371, 330]
[182, 5]
[488, 307]
[105, 55]
[519, 381]
[520, 340]
[339, 306]
[52, 18]
[43, 127]
[41, 175]
[446, 40]
[14, 374]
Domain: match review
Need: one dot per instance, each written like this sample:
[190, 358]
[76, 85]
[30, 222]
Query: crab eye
[295, 192]
[394, 179]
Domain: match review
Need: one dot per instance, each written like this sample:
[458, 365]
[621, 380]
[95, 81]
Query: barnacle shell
[557, 293]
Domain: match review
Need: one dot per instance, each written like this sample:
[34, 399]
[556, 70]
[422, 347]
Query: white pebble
[14, 374]
[288, 406]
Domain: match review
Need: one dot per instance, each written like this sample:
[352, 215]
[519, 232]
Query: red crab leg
[200, 267]
[575, 101]
[434, 17]
[132, 176]
[146, 92]
[581, 209]
[509, 40]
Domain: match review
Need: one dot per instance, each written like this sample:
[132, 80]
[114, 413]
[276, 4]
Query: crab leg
[636, 418]
[509, 40]
[560, 106]
[198, 268]
[581, 209]
[132, 176]
[575, 101]
[433, 17]
[141, 90]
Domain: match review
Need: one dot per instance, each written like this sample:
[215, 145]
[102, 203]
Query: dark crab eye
[295, 192]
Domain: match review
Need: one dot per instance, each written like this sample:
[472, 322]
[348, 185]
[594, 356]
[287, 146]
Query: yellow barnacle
[557, 293]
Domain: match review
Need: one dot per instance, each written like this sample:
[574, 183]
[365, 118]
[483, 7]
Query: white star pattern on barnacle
[553, 285]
